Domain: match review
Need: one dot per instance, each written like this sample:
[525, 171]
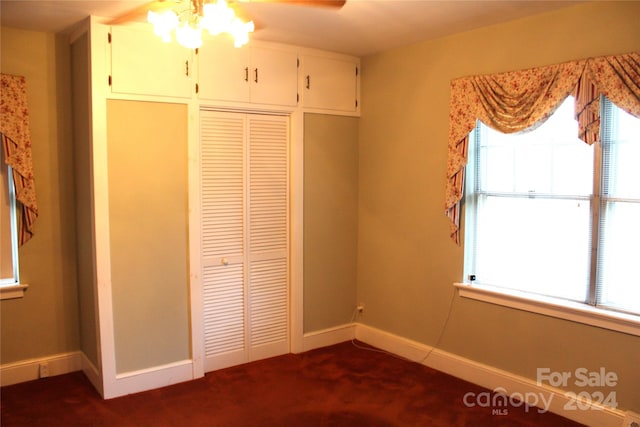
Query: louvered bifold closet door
[222, 154]
[245, 235]
[268, 236]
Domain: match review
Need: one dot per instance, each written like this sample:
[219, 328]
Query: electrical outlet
[631, 419]
[360, 308]
[44, 370]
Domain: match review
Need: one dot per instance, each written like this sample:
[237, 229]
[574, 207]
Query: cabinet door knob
[224, 261]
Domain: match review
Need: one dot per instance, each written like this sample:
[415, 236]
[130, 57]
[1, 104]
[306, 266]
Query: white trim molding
[29, 370]
[149, 379]
[327, 337]
[13, 291]
[559, 401]
[513, 386]
[296, 232]
[92, 373]
[554, 307]
[125, 383]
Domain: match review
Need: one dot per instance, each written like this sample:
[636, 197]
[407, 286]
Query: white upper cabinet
[256, 74]
[275, 76]
[223, 71]
[265, 74]
[330, 83]
[141, 64]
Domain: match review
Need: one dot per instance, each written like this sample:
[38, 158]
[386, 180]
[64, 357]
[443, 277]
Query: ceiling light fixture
[214, 16]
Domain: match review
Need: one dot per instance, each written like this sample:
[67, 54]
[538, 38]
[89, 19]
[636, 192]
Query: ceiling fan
[189, 17]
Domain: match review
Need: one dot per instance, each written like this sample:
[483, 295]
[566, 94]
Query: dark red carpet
[339, 385]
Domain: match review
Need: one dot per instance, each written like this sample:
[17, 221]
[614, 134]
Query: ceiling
[360, 28]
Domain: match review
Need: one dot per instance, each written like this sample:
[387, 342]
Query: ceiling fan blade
[336, 4]
[142, 10]
[243, 15]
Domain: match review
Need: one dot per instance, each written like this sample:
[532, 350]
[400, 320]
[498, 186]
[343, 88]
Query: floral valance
[514, 101]
[16, 143]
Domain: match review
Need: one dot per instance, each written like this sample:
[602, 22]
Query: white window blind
[618, 284]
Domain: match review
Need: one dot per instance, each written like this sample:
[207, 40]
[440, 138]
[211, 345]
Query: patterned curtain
[16, 143]
[515, 101]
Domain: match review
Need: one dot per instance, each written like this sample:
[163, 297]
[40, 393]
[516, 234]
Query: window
[8, 230]
[550, 218]
[17, 146]
[617, 282]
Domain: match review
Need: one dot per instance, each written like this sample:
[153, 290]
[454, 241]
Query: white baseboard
[148, 379]
[327, 337]
[92, 373]
[127, 383]
[28, 370]
[593, 414]
[590, 413]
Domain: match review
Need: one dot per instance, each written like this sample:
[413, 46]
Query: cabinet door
[274, 76]
[223, 71]
[330, 84]
[257, 75]
[142, 64]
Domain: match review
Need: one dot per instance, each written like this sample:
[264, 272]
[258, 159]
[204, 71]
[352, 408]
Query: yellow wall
[147, 147]
[330, 220]
[45, 321]
[87, 281]
[406, 261]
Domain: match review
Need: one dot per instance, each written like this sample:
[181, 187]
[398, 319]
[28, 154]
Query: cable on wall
[421, 361]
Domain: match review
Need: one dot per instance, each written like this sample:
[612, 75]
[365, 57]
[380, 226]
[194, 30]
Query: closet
[245, 234]
[190, 207]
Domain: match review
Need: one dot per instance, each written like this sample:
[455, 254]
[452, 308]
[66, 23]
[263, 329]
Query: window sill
[573, 311]
[13, 291]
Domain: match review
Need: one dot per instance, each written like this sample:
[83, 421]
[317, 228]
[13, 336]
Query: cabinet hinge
[109, 37]
[110, 81]
[197, 88]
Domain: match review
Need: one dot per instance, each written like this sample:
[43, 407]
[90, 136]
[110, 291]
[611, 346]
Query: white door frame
[296, 186]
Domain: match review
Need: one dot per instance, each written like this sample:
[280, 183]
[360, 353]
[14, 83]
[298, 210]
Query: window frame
[10, 286]
[583, 312]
